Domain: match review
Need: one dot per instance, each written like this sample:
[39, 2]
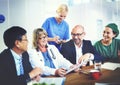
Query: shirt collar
[77, 46]
[15, 55]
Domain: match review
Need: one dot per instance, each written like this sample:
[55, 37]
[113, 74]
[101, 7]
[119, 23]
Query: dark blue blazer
[69, 52]
[8, 73]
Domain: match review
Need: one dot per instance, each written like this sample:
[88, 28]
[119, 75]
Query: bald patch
[78, 28]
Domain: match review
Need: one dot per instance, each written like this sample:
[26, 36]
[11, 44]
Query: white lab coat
[37, 60]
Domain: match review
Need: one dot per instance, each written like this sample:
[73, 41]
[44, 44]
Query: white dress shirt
[79, 54]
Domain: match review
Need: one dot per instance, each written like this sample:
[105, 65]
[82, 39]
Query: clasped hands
[35, 73]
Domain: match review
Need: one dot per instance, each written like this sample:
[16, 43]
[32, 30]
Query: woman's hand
[60, 72]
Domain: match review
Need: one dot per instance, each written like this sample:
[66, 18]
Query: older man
[77, 49]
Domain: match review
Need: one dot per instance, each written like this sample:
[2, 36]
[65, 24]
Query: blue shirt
[47, 59]
[17, 59]
[53, 28]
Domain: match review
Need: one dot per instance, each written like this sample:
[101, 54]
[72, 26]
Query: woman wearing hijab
[109, 46]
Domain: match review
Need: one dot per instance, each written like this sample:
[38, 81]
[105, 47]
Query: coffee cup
[95, 74]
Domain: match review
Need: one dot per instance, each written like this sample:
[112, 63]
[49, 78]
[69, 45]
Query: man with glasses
[77, 49]
[15, 68]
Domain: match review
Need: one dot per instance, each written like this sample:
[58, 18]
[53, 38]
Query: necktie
[21, 67]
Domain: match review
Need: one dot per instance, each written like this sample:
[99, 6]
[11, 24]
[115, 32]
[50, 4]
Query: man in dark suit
[77, 49]
[10, 71]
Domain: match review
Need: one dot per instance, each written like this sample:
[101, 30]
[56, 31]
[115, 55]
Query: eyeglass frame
[77, 34]
[24, 40]
[42, 37]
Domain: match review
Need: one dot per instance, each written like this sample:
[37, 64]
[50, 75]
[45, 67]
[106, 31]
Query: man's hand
[35, 72]
[85, 58]
[37, 78]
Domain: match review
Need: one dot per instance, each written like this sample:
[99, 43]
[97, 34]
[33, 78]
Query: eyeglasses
[42, 37]
[77, 34]
[24, 40]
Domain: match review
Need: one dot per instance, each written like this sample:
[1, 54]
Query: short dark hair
[12, 34]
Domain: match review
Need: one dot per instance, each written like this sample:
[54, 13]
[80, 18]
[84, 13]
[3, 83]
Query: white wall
[30, 14]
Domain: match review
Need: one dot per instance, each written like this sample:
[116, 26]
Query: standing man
[57, 28]
[77, 49]
[15, 68]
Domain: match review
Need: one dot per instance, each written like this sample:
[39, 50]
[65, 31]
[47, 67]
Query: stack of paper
[110, 65]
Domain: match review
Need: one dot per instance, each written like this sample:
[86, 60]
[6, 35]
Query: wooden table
[86, 79]
[80, 78]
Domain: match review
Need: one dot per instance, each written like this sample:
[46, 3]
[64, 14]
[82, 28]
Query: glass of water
[97, 65]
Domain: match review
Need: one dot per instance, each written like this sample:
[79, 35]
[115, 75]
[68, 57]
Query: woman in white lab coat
[47, 56]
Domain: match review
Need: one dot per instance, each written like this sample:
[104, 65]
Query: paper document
[110, 65]
[107, 83]
[77, 66]
[72, 69]
[49, 81]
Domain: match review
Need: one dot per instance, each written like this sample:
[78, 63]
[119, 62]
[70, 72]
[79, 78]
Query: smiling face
[39, 38]
[61, 12]
[108, 34]
[61, 16]
[42, 40]
[78, 34]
